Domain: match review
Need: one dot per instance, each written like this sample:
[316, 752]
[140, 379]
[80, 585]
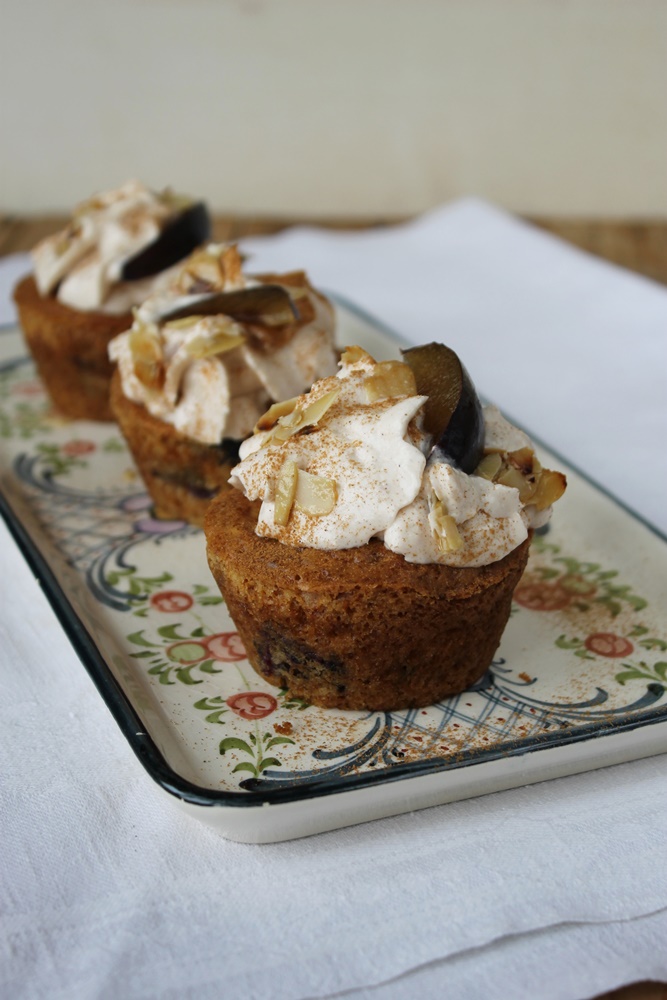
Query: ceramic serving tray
[577, 683]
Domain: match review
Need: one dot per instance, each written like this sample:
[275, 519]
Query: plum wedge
[453, 412]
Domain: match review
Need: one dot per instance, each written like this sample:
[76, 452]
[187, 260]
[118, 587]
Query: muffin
[378, 527]
[118, 247]
[202, 361]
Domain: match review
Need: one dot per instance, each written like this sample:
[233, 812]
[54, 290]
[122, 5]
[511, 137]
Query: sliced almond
[550, 487]
[285, 493]
[315, 495]
[182, 324]
[490, 466]
[217, 343]
[351, 355]
[389, 379]
[274, 412]
[446, 530]
[512, 477]
[146, 348]
[295, 419]
[314, 412]
[522, 459]
[231, 262]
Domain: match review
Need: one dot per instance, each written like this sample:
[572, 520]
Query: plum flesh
[453, 412]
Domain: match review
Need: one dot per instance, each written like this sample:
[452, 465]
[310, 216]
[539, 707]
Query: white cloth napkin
[557, 890]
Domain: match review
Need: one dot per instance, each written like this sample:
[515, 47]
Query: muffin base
[357, 628]
[181, 475]
[70, 351]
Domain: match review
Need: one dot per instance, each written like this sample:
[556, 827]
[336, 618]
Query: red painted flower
[171, 600]
[252, 704]
[226, 646]
[540, 596]
[188, 651]
[608, 644]
[76, 447]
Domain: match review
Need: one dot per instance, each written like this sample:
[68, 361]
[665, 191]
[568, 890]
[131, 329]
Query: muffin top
[117, 247]
[356, 458]
[213, 347]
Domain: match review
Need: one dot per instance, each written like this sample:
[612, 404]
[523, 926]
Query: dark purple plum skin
[178, 238]
[458, 431]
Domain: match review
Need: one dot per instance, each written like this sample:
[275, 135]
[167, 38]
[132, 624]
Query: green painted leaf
[210, 600]
[629, 675]
[245, 765]
[661, 669]
[564, 643]
[143, 653]
[653, 644]
[138, 639]
[268, 762]
[170, 632]
[215, 717]
[197, 633]
[275, 740]
[162, 671]
[234, 743]
[185, 677]
[208, 668]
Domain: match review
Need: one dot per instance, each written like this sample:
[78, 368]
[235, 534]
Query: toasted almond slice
[285, 492]
[274, 412]
[146, 349]
[390, 378]
[451, 533]
[231, 263]
[218, 343]
[550, 487]
[315, 495]
[490, 466]
[351, 355]
[314, 412]
[522, 459]
[445, 527]
[183, 323]
[511, 476]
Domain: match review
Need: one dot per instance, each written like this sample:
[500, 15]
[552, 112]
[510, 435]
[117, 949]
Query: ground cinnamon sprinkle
[525, 677]
[283, 728]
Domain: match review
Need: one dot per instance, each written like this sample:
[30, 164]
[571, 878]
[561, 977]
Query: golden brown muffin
[357, 628]
[181, 474]
[70, 350]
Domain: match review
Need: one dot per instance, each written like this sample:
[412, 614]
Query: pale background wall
[338, 106]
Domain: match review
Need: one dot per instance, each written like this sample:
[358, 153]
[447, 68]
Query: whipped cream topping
[82, 264]
[372, 457]
[211, 376]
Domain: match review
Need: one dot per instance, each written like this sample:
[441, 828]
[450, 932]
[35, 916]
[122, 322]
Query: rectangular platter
[577, 683]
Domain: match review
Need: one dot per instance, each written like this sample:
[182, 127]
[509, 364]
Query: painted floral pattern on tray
[144, 589]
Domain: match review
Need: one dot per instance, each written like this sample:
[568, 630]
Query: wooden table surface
[639, 245]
